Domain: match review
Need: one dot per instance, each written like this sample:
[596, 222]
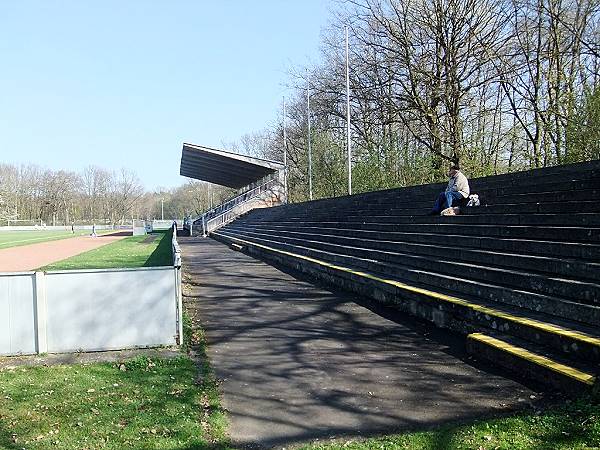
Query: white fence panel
[161, 224]
[110, 309]
[17, 313]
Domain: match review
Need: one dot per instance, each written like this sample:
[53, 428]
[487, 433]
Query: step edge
[477, 237]
[546, 327]
[488, 283]
[429, 245]
[532, 357]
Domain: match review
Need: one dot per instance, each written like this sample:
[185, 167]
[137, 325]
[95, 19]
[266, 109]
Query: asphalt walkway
[298, 362]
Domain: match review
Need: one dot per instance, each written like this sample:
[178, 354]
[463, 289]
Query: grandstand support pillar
[41, 341]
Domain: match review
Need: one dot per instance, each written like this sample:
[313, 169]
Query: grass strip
[213, 417]
[130, 252]
[142, 403]
[573, 426]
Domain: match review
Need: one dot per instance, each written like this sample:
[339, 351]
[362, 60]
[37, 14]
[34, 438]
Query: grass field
[17, 238]
[146, 403]
[134, 251]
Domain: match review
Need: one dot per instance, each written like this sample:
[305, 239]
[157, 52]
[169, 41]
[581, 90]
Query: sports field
[134, 251]
[17, 238]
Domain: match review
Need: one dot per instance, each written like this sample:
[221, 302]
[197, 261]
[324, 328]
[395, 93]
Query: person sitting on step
[456, 192]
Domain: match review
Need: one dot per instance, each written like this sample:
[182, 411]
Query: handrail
[219, 220]
[228, 204]
[226, 207]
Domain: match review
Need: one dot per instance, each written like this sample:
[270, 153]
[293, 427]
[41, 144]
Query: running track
[31, 257]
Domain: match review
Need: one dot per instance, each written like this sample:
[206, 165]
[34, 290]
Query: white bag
[473, 200]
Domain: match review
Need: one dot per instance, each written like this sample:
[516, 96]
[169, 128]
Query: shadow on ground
[298, 362]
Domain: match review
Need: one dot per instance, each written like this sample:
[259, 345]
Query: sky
[123, 83]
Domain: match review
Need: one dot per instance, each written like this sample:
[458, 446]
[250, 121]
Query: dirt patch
[150, 238]
[116, 233]
[12, 362]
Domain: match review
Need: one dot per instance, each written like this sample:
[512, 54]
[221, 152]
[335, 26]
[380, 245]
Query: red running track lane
[33, 256]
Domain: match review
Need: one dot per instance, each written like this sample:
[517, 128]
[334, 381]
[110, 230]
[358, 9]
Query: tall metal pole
[348, 118]
[310, 189]
[285, 168]
[162, 209]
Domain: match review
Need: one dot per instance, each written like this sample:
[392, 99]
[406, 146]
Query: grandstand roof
[224, 168]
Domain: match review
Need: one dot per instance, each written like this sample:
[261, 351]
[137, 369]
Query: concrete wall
[88, 310]
[17, 313]
[139, 231]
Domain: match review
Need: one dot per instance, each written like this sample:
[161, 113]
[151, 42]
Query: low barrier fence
[160, 224]
[91, 310]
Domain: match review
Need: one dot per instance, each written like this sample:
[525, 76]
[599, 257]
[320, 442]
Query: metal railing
[178, 290]
[225, 218]
[222, 214]
[175, 247]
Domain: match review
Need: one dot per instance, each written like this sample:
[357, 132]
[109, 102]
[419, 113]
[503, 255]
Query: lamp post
[348, 118]
[285, 168]
[310, 189]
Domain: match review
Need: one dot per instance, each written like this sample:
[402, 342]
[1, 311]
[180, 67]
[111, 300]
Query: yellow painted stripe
[535, 358]
[543, 326]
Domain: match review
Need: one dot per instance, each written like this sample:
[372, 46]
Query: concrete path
[33, 256]
[299, 363]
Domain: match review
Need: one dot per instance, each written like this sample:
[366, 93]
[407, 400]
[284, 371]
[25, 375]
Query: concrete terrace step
[464, 314]
[533, 232]
[533, 361]
[554, 186]
[492, 284]
[562, 190]
[535, 208]
[426, 199]
[445, 247]
[524, 247]
[565, 220]
[413, 209]
[568, 234]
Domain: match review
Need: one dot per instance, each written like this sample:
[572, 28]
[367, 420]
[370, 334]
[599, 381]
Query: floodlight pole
[285, 169]
[348, 118]
[310, 189]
